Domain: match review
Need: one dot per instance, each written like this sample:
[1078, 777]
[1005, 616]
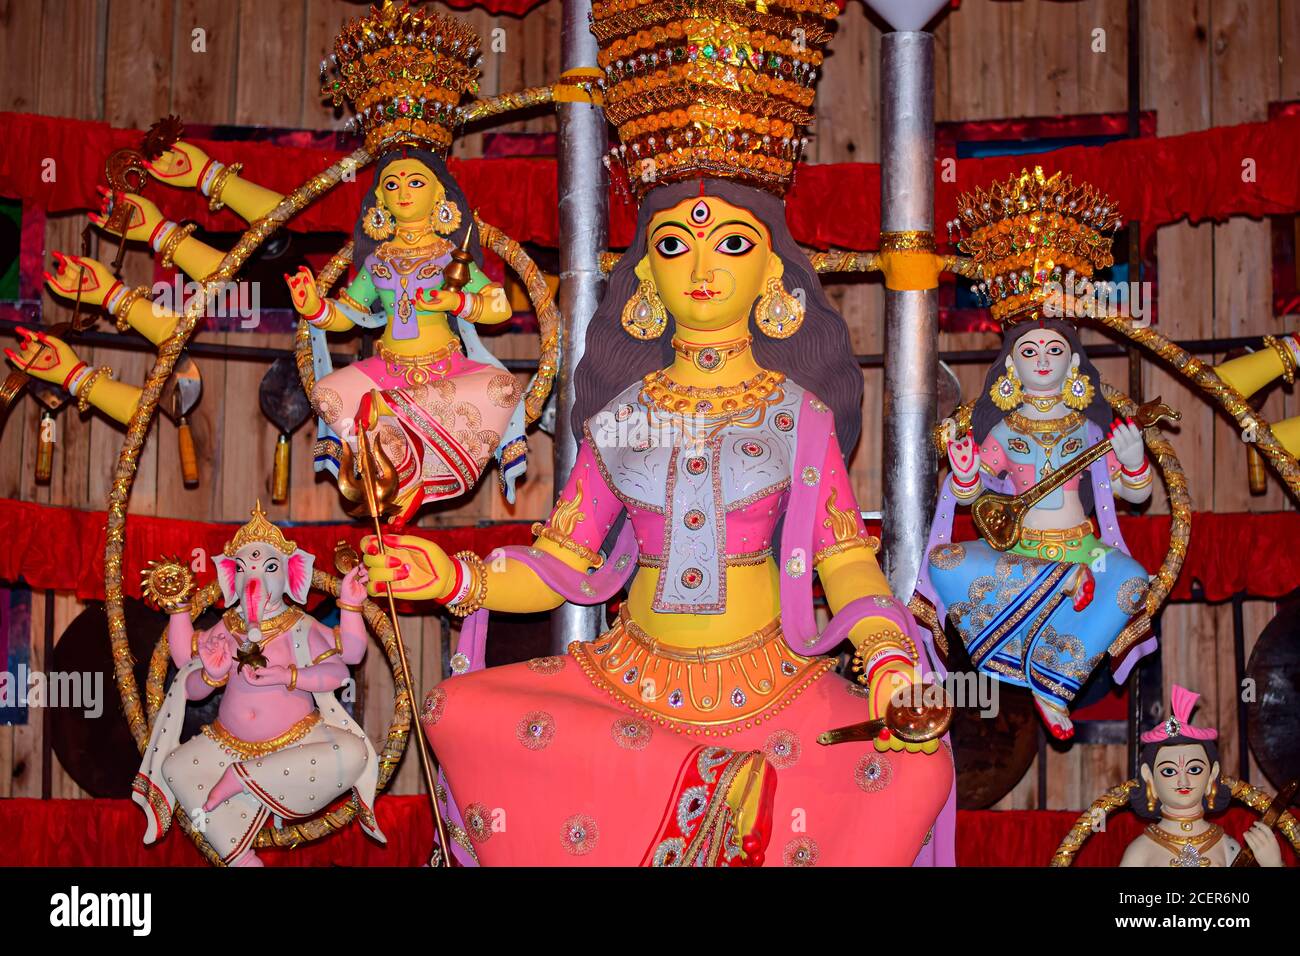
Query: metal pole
[584, 235]
[911, 317]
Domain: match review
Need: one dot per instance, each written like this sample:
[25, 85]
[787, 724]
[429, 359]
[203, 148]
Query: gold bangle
[1284, 354]
[325, 655]
[172, 243]
[593, 558]
[293, 676]
[891, 638]
[210, 682]
[342, 606]
[478, 584]
[124, 307]
[352, 303]
[839, 547]
[194, 644]
[83, 392]
[215, 203]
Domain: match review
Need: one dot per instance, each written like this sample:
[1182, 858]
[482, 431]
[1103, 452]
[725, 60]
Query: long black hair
[1137, 798]
[819, 356]
[363, 245]
[985, 414]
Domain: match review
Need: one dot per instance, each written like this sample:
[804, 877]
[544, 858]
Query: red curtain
[108, 833]
[63, 549]
[830, 205]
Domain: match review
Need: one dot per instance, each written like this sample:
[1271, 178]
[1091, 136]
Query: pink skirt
[548, 770]
[447, 420]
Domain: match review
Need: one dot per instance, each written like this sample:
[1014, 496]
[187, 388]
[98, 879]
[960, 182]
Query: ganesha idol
[436, 401]
[1181, 784]
[1045, 611]
[711, 485]
[281, 747]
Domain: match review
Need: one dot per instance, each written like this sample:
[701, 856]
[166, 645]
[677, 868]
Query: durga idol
[711, 484]
[436, 401]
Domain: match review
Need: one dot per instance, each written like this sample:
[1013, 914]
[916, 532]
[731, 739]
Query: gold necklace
[1184, 824]
[712, 357]
[269, 628]
[677, 398]
[413, 236]
[1044, 426]
[1043, 404]
[1186, 850]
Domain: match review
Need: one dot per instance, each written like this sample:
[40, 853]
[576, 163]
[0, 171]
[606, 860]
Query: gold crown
[710, 87]
[259, 529]
[1034, 236]
[405, 72]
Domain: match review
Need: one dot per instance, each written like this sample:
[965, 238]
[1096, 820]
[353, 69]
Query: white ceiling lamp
[907, 14]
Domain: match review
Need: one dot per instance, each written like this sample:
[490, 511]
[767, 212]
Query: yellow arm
[249, 200]
[117, 400]
[155, 324]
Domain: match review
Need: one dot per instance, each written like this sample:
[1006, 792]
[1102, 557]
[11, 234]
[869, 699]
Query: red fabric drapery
[63, 549]
[107, 833]
[830, 205]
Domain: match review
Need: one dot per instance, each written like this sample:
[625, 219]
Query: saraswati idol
[711, 484]
[437, 402]
[1050, 586]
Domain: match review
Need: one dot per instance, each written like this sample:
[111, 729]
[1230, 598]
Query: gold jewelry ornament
[169, 247]
[377, 223]
[1209, 794]
[1151, 796]
[478, 584]
[88, 383]
[1077, 391]
[259, 529]
[778, 314]
[1041, 403]
[168, 584]
[711, 358]
[344, 606]
[446, 218]
[293, 676]
[644, 316]
[123, 308]
[215, 203]
[1006, 392]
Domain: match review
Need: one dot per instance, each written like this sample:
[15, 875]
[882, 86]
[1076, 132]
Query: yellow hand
[302, 289]
[436, 300]
[415, 568]
[43, 356]
[96, 280]
[144, 215]
[179, 166]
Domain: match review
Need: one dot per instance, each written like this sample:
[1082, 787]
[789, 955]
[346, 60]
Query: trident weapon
[376, 497]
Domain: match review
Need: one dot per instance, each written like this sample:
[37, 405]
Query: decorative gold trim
[248, 749]
[478, 585]
[699, 655]
[907, 240]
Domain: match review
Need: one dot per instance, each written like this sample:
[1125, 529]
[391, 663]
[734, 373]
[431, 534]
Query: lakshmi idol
[438, 403]
[1042, 613]
[711, 485]
[1181, 785]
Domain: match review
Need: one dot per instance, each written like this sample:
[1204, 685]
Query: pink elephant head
[258, 569]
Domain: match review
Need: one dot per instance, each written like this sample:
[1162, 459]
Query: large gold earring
[1151, 797]
[778, 314]
[377, 223]
[1006, 390]
[1209, 796]
[1077, 390]
[644, 316]
[446, 218]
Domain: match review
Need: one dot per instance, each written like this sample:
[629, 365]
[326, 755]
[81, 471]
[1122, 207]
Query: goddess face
[709, 261]
[1181, 776]
[1042, 359]
[409, 190]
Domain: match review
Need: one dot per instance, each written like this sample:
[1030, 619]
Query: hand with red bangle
[145, 217]
[97, 282]
[964, 459]
[45, 357]
[183, 165]
[416, 568]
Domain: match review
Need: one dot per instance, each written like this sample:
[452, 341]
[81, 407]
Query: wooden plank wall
[1204, 62]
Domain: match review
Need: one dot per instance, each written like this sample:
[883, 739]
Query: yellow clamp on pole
[908, 260]
[580, 85]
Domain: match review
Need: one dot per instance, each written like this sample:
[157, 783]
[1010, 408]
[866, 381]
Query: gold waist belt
[727, 687]
[742, 559]
[1051, 544]
[247, 749]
